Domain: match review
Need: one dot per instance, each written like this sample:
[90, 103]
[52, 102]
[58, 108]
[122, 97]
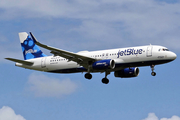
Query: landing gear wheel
[105, 80]
[88, 76]
[153, 74]
[152, 68]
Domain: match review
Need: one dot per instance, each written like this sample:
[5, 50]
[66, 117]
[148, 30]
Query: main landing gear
[104, 80]
[152, 68]
[88, 76]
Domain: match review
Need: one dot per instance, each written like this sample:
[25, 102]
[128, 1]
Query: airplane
[124, 62]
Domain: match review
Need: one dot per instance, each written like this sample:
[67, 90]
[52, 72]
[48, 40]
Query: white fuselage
[123, 57]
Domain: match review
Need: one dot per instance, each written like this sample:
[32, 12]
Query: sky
[76, 25]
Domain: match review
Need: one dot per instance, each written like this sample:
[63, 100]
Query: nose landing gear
[152, 68]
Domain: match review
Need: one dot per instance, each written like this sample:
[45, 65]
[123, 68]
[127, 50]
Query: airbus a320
[124, 62]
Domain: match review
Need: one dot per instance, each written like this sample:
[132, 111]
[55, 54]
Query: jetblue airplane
[124, 62]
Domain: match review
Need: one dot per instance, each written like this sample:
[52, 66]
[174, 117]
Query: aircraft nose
[173, 56]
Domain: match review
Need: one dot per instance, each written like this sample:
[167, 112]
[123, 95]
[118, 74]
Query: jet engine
[127, 72]
[103, 64]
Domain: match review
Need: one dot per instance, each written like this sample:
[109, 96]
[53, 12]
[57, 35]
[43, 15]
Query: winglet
[35, 40]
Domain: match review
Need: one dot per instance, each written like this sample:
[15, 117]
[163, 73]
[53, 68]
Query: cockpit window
[163, 49]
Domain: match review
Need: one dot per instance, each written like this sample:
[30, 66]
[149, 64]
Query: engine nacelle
[103, 64]
[127, 72]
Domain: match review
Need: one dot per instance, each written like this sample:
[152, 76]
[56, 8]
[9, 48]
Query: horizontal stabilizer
[20, 61]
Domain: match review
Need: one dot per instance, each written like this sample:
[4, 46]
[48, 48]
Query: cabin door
[149, 51]
[43, 62]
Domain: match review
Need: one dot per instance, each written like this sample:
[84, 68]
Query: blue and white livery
[29, 48]
[124, 62]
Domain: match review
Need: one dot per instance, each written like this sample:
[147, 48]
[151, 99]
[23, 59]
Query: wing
[20, 61]
[80, 59]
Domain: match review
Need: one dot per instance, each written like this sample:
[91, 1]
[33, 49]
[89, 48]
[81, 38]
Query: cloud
[172, 118]
[44, 86]
[152, 116]
[7, 113]
[111, 23]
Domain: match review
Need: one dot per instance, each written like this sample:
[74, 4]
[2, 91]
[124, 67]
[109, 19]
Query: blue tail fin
[29, 48]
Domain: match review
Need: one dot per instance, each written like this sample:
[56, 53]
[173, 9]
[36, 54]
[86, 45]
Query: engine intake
[127, 72]
[103, 64]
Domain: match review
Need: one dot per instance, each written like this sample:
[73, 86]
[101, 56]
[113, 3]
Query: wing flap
[20, 61]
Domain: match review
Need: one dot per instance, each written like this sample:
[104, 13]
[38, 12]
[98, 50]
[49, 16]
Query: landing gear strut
[105, 80]
[88, 74]
[152, 68]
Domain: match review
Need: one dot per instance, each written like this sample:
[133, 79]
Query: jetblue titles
[129, 52]
[30, 51]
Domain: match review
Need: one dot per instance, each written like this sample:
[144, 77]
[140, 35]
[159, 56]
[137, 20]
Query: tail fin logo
[29, 45]
[30, 49]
